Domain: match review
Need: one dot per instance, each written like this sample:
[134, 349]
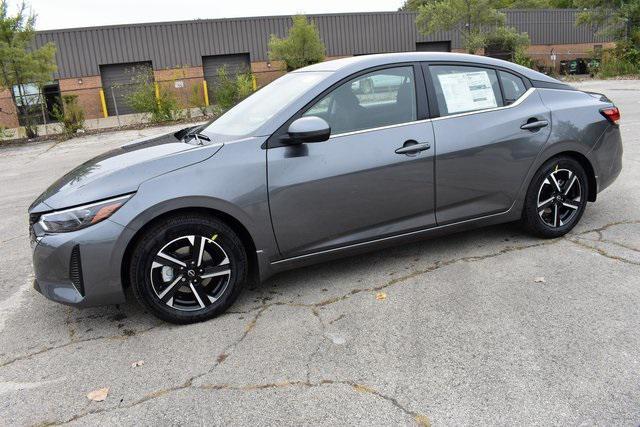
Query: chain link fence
[120, 104]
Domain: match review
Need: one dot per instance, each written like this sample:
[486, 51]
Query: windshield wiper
[199, 137]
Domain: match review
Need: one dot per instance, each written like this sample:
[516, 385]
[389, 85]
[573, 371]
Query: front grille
[75, 270]
[33, 218]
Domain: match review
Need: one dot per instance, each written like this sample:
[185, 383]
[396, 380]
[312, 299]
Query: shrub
[244, 85]
[510, 42]
[196, 99]
[225, 89]
[230, 90]
[161, 106]
[300, 48]
[4, 133]
[623, 60]
[521, 58]
[71, 115]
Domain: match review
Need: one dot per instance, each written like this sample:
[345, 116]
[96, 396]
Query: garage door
[433, 46]
[118, 80]
[236, 63]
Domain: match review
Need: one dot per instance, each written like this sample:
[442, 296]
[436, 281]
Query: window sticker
[467, 91]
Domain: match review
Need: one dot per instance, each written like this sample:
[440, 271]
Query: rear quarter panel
[576, 126]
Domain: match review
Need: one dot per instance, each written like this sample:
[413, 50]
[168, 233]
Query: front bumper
[81, 268]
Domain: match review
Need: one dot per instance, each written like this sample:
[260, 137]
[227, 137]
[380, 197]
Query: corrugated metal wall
[175, 44]
[552, 26]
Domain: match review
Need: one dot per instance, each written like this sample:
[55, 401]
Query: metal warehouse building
[94, 63]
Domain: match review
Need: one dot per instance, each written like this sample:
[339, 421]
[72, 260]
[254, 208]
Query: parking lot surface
[483, 327]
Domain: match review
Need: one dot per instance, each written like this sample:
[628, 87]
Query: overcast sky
[53, 14]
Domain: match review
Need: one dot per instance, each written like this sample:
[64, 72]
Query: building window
[27, 95]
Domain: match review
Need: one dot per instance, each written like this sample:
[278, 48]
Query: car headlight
[82, 216]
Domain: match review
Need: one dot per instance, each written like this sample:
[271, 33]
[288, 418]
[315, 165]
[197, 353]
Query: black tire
[543, 188]
[175, 232]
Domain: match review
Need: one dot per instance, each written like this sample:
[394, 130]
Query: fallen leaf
[381, 296]
[360, 388]
[540, 280]
[423, 421]
[138, 363]
[98, 395]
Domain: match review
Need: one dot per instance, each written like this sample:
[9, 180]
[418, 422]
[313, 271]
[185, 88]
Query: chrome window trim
[515, 104]
[355, 132]
[452, 116]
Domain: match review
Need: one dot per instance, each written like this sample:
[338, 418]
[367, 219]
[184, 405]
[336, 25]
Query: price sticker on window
[467, 91]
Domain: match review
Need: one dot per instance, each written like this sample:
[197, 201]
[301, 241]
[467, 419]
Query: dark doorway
[443, 46]
[119, 80]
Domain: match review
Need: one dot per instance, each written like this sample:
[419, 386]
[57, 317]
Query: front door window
[377, 99]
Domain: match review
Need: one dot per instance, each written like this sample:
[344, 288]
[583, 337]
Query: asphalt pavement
[483, 327]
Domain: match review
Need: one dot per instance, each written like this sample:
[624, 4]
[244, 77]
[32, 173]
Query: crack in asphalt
[10, 239]
[187, 384]
[602, 252]
[581, 241]
[418, 418]
[76, 341]
[312, 355]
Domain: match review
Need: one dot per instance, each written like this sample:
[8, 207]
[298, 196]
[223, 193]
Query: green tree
[20, 62]
[414, 5]
[522, 4]
[300, 48]
[470, 18]
[508, 40]
[620, 18]
[563, 4]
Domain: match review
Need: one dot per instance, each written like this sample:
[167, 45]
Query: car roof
[352, 64]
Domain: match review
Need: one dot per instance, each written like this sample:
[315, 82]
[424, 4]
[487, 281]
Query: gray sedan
[331, 160]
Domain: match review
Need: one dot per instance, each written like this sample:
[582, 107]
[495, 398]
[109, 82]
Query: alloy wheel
[559, 198]
[190, 272]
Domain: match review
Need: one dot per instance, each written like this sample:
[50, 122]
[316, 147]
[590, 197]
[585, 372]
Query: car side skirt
[269, 269]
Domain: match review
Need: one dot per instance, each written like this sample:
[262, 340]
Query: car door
[364, 182]
[491, 127]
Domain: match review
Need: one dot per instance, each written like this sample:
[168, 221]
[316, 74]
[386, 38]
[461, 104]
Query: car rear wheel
[188, 268]
[556, 199]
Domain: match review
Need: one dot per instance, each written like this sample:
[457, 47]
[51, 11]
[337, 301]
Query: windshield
[256, 110]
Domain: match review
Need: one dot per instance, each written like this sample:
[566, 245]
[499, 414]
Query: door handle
[412, 147]
[534, 125]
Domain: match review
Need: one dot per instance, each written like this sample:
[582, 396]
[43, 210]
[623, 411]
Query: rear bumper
[81, 268]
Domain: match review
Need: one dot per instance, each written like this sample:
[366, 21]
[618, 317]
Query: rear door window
[463, 89]
[513, 87]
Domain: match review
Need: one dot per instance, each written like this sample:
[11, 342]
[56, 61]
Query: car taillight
[612, 114]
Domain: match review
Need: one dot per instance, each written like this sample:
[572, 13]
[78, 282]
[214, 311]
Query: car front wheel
[556, 199]
[188, 268]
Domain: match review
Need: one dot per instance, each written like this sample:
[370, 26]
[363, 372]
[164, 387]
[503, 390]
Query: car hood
[121, 171]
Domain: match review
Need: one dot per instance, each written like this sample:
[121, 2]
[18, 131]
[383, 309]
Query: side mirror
[309, 129]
